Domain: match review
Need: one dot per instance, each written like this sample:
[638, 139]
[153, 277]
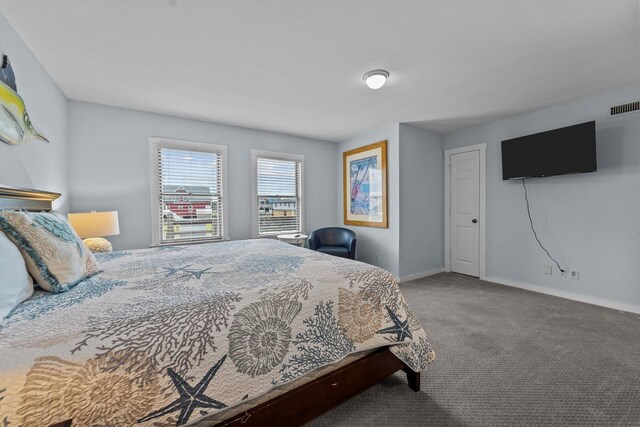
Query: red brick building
[187, 201]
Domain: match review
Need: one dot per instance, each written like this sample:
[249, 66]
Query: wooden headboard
[26, 198]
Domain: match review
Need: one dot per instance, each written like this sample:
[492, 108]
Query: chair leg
[413, 378]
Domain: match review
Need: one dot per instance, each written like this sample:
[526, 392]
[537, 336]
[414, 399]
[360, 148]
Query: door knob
[474, 220]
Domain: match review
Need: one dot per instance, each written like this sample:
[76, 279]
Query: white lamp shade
[95, 224]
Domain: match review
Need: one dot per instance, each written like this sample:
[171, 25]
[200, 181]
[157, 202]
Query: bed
[251, 332]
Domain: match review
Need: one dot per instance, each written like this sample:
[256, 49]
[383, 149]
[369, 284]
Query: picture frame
[15, 125]
[364, 183]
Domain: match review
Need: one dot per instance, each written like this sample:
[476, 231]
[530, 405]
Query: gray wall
[413, 242]
[109, 156]
[36, 165]
[377, 246]
[421, 201]
[590, 222]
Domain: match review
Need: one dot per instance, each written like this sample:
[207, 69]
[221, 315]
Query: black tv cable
[526, 199]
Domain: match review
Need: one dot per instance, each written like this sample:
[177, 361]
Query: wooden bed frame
[304, 403]
[26, 199]
[294, 407]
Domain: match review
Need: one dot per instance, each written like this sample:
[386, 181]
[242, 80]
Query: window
[277, 193]
[188, 189]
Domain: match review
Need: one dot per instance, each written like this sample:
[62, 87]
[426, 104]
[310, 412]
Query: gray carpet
[509, 357]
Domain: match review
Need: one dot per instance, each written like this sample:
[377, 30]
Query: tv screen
[556, 152]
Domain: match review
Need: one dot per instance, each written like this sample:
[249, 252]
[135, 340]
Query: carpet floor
[508, 357]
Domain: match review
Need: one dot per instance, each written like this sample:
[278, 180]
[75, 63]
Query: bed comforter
[166, 336]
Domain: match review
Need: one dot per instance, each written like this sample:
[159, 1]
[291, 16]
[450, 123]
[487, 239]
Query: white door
[465, 212]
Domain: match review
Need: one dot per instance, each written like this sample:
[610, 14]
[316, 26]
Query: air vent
[630, 107]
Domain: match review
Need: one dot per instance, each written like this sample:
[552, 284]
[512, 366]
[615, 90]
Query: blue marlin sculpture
[15, 125]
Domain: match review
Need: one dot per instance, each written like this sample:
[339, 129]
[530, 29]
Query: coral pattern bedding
[165, 336]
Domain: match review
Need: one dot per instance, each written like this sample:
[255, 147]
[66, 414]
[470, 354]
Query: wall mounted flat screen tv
[561, 151]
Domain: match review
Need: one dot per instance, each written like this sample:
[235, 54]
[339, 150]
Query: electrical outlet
[564, 274]
[548, 269]
[573, 274]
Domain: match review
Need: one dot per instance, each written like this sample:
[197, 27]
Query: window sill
[160, 245]
[275, 235]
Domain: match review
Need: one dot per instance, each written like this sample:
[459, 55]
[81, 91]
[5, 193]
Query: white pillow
[16, 285]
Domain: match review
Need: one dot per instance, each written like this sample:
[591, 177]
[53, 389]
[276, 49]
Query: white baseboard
[567, 295]
[421, 275]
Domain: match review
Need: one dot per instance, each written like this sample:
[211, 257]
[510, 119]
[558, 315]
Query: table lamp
[93, 226]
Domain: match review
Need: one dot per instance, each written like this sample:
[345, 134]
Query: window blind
[190, 196]
[279, 196]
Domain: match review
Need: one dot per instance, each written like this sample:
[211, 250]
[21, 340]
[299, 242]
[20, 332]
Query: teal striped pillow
[54, 254]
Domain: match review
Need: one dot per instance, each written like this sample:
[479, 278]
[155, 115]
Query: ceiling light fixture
[376, 79]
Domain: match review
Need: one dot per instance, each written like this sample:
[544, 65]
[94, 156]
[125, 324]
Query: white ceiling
[296, 66]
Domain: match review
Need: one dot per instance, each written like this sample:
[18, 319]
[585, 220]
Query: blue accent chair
[334, 241]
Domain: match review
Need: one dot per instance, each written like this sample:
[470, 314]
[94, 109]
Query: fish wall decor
[15, 125]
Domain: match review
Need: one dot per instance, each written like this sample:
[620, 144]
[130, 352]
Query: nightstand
[294, 239]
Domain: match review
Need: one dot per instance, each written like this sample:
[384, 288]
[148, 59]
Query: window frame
[155, 143]
[255, 154]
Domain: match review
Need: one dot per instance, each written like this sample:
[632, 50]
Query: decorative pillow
[55, 256]
[15, 283]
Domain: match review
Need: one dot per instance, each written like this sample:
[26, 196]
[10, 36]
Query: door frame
[482, 148]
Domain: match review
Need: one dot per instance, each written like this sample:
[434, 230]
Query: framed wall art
[365, 185]
[15, 125]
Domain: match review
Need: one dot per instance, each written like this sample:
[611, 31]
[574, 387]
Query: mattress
[173, 335]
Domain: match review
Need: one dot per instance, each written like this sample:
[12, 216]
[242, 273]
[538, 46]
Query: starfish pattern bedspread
[165, 336]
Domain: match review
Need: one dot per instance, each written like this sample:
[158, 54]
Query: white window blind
[279, 195]
[189, 193]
